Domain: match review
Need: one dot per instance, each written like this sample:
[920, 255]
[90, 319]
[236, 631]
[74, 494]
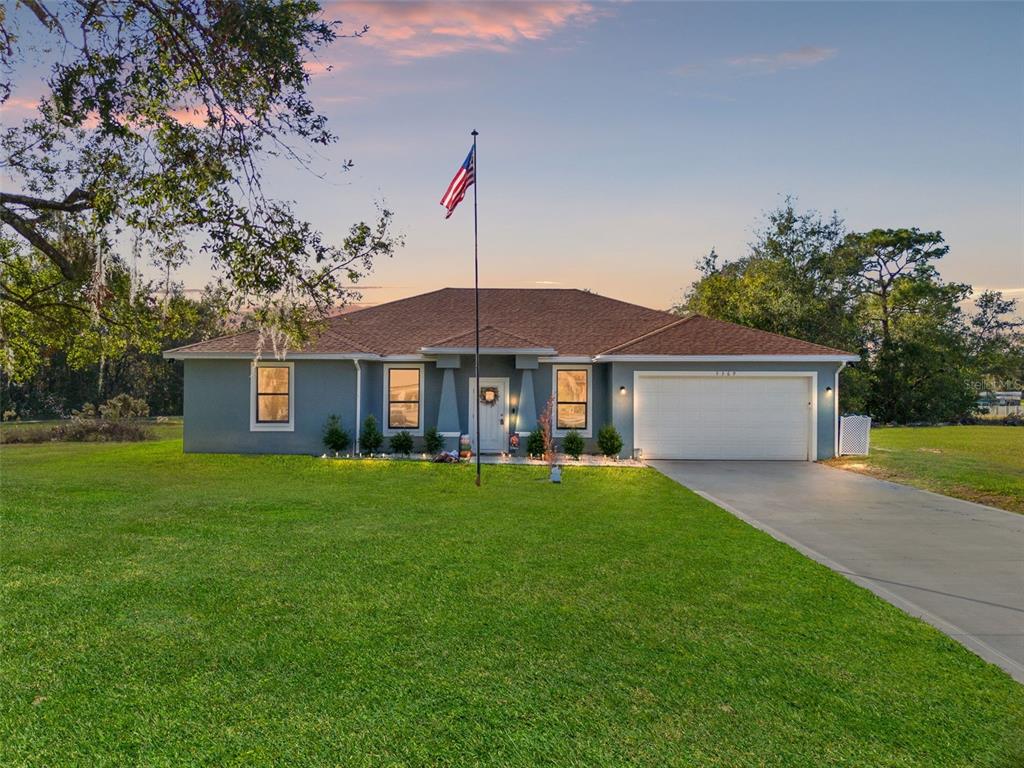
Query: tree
[154, 127]
[878, 294]
[996, 342]
[59, 360]
[793, 281]
[918, 363]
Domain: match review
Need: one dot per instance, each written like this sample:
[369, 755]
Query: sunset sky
[618, 143]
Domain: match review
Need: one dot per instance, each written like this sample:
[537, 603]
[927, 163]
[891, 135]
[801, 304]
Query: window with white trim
[403, 398]
[572, 388]
[272, 397]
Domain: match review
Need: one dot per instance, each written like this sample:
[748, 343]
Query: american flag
[462, 181]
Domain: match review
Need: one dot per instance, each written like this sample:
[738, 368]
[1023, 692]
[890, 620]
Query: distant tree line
[55, 362]
[925, 356]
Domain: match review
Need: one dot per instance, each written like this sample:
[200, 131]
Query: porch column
[448, 411]
[526, 418]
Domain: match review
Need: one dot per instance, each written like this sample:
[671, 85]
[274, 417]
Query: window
[272, 397]
[572, 398]
[403, 397]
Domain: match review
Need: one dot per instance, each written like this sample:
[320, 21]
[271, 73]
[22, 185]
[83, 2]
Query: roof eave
[174, 354]
[823, 358]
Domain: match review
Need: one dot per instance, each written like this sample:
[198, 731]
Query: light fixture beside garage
[828, 390]
[622, 390]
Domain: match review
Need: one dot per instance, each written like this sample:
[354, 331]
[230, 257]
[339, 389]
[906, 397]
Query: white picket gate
[854, 435]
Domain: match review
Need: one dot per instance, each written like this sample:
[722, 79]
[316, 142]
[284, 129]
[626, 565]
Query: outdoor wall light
[622, 390]
[828, 390]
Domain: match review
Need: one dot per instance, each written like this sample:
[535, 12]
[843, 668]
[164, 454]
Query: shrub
[535, 443]
[80, 431]
[401, 443]
[433, 442]
[88, 411]
[370, 437]
[124, 406]
[573, 444]
[609, 441]
[1014, 420]
[99, 431]
[335, 438]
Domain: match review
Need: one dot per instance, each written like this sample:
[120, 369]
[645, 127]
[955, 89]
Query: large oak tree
[156, 121]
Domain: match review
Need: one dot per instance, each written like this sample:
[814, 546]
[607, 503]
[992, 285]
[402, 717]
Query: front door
[493, 397]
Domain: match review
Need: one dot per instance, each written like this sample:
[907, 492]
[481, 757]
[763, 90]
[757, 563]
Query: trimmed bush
[370, 437]
[433, 442]
[609, 441]
[401, 443]
[535, 443]
[335, 438]
[573, 444]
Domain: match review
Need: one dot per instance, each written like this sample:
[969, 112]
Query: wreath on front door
[489, 395]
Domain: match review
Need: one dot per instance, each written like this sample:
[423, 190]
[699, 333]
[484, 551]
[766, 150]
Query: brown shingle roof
[570, 321]
[700, 335]
[490, 337]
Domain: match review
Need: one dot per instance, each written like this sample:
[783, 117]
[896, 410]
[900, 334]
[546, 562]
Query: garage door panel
[735, 417]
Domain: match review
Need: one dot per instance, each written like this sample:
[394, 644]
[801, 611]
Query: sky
[621, 142]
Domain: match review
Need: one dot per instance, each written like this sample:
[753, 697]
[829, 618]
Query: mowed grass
[169, 609]
[978, 463]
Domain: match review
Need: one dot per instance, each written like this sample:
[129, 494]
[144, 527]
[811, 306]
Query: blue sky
[618, 143]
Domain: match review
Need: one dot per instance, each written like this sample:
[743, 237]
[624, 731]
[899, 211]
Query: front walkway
[955, 564]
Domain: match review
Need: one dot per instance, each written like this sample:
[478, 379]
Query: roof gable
[490, 338]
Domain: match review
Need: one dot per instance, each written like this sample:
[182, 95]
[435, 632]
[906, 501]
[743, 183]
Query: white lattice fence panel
[854, 435]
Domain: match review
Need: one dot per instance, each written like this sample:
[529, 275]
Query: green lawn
[982, 463]
[162, 609]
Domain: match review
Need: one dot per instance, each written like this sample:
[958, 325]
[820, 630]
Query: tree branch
[25, 228]
[76, 202]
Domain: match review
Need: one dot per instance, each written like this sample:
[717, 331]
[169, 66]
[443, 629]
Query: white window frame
[555, 431]
[385, 404]
[258, 426]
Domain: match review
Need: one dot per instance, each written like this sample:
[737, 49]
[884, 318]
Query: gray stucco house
[675, 387]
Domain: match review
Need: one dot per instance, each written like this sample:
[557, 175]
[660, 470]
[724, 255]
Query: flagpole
[476, 297]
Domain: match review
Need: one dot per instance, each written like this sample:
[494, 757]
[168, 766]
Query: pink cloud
[429, 29]
[19, 105]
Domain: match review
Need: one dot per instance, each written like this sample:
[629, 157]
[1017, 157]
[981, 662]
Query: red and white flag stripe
[458, 186]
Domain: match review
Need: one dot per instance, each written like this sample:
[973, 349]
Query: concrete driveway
[955, 564]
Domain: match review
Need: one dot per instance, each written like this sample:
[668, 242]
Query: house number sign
[725, 373]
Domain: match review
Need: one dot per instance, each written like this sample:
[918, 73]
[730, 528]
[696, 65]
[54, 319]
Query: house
[675, 387]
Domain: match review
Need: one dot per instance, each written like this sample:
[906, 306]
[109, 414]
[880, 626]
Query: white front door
[493, 396]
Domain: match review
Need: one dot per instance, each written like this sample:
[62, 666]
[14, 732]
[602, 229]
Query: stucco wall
[622, 406]
[218, 399]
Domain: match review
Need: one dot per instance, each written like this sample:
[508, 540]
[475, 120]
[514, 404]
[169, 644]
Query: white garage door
[723, 417]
